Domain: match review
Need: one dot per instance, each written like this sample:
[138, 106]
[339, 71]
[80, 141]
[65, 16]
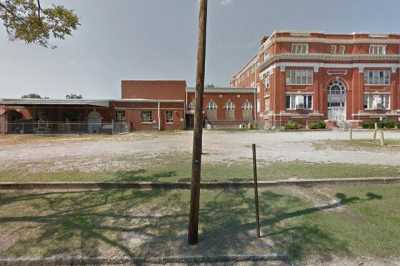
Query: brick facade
[296, 68]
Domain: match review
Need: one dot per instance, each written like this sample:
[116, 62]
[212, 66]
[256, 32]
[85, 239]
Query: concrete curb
[140, 260]
[186, 185]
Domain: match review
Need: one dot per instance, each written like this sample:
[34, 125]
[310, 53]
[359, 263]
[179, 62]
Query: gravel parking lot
[110, 152]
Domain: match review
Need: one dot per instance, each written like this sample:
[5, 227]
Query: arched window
[247, 105]
[212, 105]
[247, 111]
[212, 113]
[229, 110]
[229, 105]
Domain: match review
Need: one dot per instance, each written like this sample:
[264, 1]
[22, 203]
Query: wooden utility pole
[198, 126]
[256, 201]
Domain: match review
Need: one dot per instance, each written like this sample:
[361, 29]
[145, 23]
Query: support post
[375, 130]
[351, 132]
[159, 116]
[198, 126]
[382, 138]
[256, 200]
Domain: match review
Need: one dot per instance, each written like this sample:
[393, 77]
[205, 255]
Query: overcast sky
[156, 39]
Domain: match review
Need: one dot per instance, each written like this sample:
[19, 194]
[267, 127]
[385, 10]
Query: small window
[192, 105]
[342, 49]
[377, 77]
[120, 115]
[332, 49]
[147, 116]
[294, 102]
[377, 50]
[212, 105]
[299, 48]
[299, 77]
[376, 101]
[169, 116]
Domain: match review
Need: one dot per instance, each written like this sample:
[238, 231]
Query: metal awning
[68, 102]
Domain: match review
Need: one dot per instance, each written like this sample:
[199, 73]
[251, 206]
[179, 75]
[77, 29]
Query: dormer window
[377, 50]
[299, 48]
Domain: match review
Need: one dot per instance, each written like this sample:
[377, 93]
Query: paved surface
[227, 146]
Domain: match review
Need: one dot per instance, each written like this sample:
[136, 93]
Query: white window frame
[370, 101]
[377, 77]
[333, 48]
[307, 100]
[229, 106]
[169, 120]
[375, 49]
[144, 120]
[299, 77]
[299, 48]
[212, 105]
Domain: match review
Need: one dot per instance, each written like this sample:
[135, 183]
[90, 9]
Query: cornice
[322, 40]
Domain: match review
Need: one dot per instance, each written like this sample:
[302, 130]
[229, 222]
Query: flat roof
[138, 100]
[27, 101]
[224, 90]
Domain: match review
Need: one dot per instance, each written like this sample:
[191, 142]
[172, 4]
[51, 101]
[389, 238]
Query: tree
[28, 21]
[31, 96]
[73, 96]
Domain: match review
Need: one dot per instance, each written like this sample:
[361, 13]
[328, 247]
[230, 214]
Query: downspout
[159, 116]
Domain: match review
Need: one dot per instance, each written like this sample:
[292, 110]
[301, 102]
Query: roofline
[150, 100]
[246, 66]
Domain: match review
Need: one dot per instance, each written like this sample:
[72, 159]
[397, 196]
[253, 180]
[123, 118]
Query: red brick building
[144, 105]
[333, 77]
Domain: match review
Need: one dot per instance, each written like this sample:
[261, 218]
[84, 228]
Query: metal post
[382, 139]
[256, 201]
[198, 126]
[375, 130]
[159, 116]
[351, 133]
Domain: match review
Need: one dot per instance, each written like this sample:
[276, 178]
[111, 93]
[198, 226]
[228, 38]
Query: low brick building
[144, 105]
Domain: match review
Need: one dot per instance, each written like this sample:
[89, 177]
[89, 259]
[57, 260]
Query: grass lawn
[339, 221]
[179, 170]
[359, 145]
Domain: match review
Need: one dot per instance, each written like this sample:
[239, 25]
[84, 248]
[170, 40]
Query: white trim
[328, 65]
[272, 39]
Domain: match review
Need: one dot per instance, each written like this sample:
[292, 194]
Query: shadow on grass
[153, 223]
[140, 175]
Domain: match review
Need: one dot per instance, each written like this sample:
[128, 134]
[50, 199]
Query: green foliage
[292, 125]
[31, 96]
[389, 123]
[26, 20]
[317, 125]
[368, 125]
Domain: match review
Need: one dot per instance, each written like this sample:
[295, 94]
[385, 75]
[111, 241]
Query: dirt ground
[89, 153]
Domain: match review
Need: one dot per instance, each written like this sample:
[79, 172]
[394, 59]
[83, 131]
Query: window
[147, 116]
[376, 101]
[192, 105]
[342, 49]
[332, 49]
[266, 55]
[229, 110]
[212, 105]
[299, 77]
[169, 116]
[377, 50]
[212, 114]
[294, 102]
[120, 115]
[267, 80]
[247, 105]
[377, 77]
[299, 48]
[247, 111]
